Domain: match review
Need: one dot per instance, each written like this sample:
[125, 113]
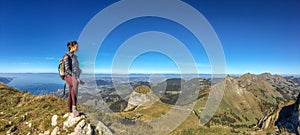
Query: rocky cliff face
[284, 119]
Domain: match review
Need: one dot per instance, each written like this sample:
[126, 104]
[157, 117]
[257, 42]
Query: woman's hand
[80, 82]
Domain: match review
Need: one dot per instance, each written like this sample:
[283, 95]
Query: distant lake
[41, 83]
[35, 83]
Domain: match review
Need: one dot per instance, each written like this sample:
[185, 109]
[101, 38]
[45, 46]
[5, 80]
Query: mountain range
[251, 104]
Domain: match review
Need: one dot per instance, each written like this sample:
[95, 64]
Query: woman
[72, 76]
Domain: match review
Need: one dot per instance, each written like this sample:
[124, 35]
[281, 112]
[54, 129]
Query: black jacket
[72, 65]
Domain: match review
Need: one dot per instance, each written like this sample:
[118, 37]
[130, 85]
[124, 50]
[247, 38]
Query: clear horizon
[147, 73]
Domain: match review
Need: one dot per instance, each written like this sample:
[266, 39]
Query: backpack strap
[69, 64]
[64, 89]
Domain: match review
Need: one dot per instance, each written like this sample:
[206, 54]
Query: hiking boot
[75, 112]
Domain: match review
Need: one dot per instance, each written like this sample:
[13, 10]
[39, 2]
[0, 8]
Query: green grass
[205, 131]
[142, 89]
[149, 113]
[38, 110]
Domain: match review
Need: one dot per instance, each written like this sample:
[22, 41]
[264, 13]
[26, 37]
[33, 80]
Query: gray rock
[66, 115]
[55, 131]
[102, 129]
[137, 99]
[89, 130]
[71, 121]
[53, 120]
[81, 124]
[79, 127]
[82, 128]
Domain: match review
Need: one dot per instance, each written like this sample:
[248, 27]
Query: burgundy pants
[72, 97]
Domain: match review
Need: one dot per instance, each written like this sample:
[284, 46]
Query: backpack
[61, 67]
[61, 71]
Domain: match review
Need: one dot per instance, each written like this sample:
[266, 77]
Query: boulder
[71, 121]
[82, 128]
[101, 129]
[53, 120]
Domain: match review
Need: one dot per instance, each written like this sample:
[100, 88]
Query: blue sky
[257, 35]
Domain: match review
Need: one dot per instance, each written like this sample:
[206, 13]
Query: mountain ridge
[250, 104]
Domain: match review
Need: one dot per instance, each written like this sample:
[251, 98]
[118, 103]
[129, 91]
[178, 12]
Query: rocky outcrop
[285, 119]
[83, 128]
[141, 96]
[81, 124]
[288, 118]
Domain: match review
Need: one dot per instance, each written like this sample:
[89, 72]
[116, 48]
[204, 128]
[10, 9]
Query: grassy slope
[38, 110]
[189, 126]
[245, 108]
[238, 113]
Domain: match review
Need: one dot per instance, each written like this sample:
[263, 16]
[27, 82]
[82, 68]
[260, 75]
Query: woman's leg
[69, 100]
[72, 97]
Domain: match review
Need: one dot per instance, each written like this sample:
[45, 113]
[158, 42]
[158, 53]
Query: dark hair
[71, 44]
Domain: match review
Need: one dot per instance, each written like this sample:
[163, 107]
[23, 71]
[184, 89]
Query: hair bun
[72, 43]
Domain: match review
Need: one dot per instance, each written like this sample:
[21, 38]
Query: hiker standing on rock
[72, 72]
